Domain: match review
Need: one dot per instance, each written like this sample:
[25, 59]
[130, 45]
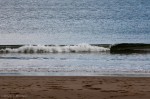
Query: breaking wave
[55, 49]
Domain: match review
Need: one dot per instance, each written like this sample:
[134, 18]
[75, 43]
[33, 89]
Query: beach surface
[51, 87]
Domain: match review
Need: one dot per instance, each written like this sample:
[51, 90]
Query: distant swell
[55, 49]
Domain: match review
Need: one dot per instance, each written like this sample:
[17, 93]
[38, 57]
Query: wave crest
[55, 49]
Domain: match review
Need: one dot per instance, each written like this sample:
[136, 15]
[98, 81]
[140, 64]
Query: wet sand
[21, 87]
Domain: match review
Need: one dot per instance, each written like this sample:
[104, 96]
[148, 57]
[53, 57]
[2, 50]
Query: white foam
[55, 49]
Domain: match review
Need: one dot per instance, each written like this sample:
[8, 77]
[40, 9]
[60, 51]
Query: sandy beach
[47, 87]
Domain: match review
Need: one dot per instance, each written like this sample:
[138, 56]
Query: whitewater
[55, 49]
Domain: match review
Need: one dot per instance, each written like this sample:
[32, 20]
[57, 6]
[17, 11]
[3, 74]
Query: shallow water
[67, 22]
[87, 64]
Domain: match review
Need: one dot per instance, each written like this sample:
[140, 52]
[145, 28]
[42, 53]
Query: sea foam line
[55, 49]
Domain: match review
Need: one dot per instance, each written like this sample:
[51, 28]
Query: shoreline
[41, 74]
[74, 87]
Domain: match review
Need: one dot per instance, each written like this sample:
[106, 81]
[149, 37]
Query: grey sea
[78, 23]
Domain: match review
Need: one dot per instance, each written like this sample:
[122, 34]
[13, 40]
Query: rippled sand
[20, 87]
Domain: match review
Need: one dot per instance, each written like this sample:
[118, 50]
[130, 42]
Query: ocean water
[77, 23]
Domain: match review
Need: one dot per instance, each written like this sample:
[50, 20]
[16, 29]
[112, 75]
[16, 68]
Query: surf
[52, 48]
[79, 48]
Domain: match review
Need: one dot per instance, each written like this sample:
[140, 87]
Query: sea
[76, 24]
